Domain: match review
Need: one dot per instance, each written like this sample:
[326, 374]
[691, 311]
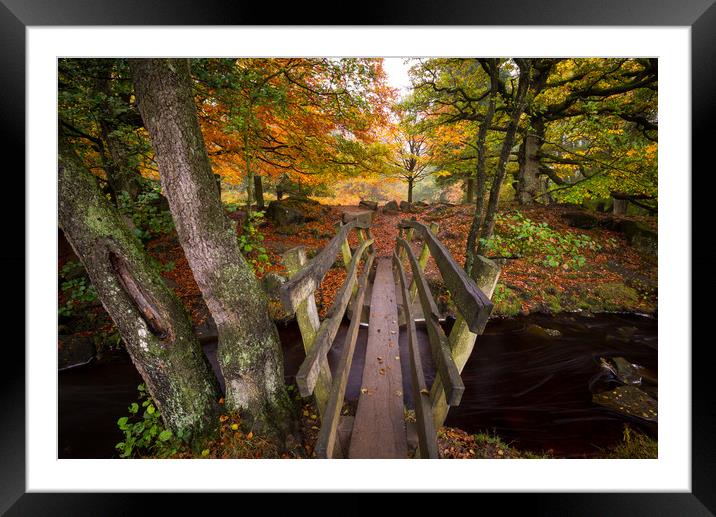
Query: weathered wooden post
[462, 340]
[308, 323]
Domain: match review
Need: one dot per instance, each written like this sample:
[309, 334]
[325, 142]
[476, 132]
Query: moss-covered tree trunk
[249, 350]
[153, 323]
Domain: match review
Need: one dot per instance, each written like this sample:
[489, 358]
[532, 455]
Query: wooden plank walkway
[379, 428]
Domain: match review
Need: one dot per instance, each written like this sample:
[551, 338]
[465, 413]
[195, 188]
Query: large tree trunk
[249, 350]
[153, 323]
[259, 192]
[529, 182]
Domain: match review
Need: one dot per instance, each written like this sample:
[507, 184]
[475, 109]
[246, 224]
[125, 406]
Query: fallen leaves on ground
[527, 276]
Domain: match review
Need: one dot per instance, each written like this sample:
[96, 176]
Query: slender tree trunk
[520, 101]
[529, 182]
[153, 323]
[469, 189]
[490, 67]
[249, 177]
[410, 190]
[259, 192]
[122, 175]
[249, 350]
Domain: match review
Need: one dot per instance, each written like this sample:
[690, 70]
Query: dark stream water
[529, 388]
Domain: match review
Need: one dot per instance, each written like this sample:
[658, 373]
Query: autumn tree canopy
[589, 126]
[310, 120]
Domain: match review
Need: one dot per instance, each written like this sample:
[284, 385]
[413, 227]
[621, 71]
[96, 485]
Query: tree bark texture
[469, 189]
[249, 350]
[158, 334]
[529, 181]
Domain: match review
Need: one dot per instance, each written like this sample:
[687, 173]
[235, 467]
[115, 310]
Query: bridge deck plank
[379, 427]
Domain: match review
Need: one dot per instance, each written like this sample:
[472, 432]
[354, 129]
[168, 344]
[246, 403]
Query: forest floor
[614, 276]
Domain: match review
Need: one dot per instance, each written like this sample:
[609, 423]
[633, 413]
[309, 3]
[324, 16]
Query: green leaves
[519, 236]
[251, 243]
[146, 436]
[148, 216]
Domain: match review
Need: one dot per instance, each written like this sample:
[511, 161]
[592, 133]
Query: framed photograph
[679, 44]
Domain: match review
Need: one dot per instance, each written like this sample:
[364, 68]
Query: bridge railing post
[462, 339]
[308, 323]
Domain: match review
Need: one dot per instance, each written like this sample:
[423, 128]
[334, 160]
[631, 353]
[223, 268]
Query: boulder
[294, 210]
[542, 332]
[581, 220]
[407, 207]
[371, 205]
[622, 369]
[365, 217]
[420, 203]
[390, 206]
[74, 351]
[640, 236]
[283, 214]
[629, 400]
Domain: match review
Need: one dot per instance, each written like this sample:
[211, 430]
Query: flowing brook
[526, 383]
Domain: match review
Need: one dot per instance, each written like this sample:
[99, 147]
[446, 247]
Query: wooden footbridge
[389, 294]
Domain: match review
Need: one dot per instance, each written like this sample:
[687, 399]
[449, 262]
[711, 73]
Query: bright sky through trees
[397, 71]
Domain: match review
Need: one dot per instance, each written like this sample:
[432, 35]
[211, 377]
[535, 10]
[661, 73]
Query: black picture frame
[17, 15]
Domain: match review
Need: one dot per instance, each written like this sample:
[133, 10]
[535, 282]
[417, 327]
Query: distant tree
[413, 160]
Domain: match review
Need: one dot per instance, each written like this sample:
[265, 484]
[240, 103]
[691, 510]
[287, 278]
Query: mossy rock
[506, 302]
[613, 296]
[552, 303]
[294, 210]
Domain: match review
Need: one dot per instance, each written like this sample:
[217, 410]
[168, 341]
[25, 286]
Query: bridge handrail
[326, 442]
[474, 306]
[305, 282]
[311, 366]
[427, 436]
[445, 365]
